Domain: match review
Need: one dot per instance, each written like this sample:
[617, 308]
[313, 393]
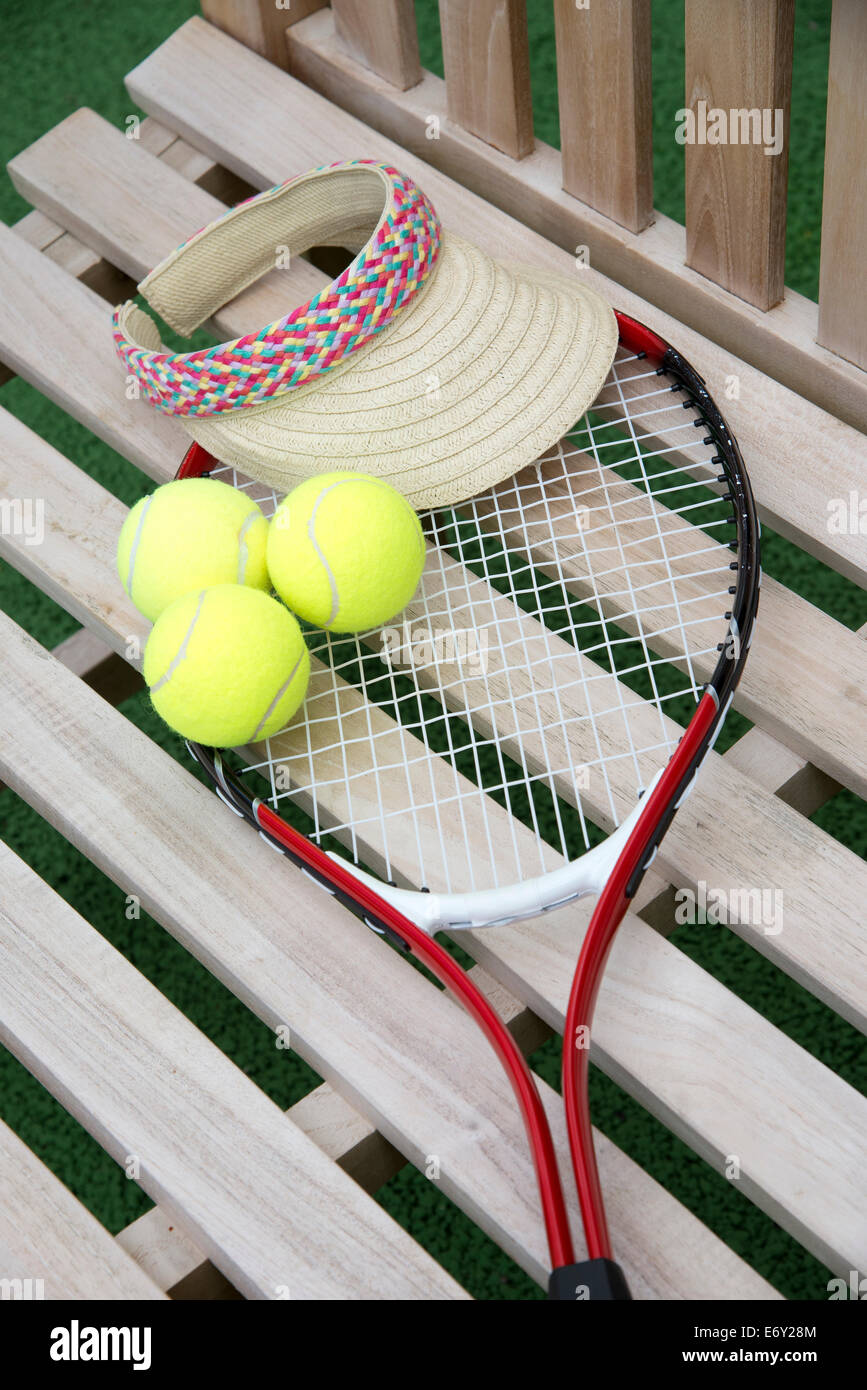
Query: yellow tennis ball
[187, 535]
[226, 666]
[345, 551]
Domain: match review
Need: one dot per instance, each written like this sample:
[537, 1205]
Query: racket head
[576, 639]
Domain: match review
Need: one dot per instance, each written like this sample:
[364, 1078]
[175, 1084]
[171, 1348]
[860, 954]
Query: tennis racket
[525, 731]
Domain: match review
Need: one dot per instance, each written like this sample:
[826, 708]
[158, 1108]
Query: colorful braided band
[327, 205]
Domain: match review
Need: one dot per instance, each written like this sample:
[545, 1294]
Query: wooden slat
[99, 667]
[89, 176]
[535, 961]
[795, 781]
[739, 59]
[140, 165]
[419, 1069]
[486, 60]
[156, 138]
[92, 358]
[603, 81]
[66, 250]
[384, 38]
[165, 1251]
[842, 282]
[347, 1137]
[159, 1244]
[192, 163]
[259, 1197]
[156, 179]
[46, 1234]
[87, 265]
[782, 342]
[204, 171]
[79, 260]
[772, 766]
[38, 230]
[771, 423]
[260, 24]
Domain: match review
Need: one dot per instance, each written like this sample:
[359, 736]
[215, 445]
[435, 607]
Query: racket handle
[602, 1279]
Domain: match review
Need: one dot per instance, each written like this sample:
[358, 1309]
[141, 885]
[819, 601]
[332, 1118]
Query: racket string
[543, 672]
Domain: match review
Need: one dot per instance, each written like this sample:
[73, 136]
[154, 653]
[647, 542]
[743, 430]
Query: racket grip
[590, 1280]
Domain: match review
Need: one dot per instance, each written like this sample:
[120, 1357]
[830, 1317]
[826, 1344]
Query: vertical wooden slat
[260, 24]
[487, 70]
[843, 268]
[382, 36]
[603, 76]
[738, 60]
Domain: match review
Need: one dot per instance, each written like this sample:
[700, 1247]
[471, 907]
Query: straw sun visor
[487, 369]
[340, 209]
[477, 370]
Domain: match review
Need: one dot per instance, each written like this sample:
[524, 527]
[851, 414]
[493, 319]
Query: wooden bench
[267, 1205]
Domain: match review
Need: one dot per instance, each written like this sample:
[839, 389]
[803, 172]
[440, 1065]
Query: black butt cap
[588, 1280]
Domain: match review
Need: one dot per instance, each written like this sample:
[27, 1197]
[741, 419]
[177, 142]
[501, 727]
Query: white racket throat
[495, 907]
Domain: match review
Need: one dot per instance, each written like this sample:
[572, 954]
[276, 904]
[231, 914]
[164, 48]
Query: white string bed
[559, 640]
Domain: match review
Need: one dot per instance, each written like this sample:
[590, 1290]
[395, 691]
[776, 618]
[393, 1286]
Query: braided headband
[335, 206]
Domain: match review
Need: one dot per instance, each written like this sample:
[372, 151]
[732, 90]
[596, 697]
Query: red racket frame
[613, 902]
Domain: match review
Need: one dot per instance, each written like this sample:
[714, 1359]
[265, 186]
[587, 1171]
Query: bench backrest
[595, 195]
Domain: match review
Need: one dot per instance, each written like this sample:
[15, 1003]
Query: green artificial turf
[61, 56]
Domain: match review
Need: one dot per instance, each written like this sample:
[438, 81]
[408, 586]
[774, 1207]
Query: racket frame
[614, 869]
